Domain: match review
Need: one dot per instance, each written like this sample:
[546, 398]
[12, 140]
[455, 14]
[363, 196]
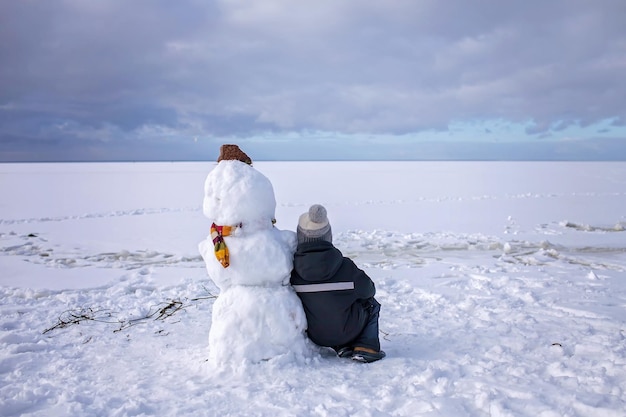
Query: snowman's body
[257, 315]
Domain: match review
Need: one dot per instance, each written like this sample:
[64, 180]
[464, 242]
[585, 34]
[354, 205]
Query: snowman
[257, 315]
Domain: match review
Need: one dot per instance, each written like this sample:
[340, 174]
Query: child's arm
[363, 285]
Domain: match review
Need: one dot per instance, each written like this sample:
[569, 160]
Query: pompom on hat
[313, 226]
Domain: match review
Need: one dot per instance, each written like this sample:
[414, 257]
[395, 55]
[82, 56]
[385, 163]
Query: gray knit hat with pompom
[313, 226]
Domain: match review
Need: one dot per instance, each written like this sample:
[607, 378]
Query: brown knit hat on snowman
[313, 226]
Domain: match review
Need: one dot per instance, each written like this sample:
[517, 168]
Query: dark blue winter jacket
[333, 291]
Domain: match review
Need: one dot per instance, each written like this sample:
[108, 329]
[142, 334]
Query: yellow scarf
[221, 250]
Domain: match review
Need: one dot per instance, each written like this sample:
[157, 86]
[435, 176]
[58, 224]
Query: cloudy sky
[312, 79]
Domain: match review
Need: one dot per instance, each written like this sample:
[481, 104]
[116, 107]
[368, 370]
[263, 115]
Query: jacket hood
[317, 261]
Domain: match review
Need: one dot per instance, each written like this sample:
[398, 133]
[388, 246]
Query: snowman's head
[236, 193]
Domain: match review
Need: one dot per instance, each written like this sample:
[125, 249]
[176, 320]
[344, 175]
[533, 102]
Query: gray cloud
[133, 73]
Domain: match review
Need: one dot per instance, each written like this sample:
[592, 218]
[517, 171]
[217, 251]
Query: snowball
[263, 257]
[235, 192]
[253, 324]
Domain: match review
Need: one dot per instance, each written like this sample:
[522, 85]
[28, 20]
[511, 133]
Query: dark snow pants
[369, 336]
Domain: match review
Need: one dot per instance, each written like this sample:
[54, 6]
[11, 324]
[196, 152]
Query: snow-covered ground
[503, 291]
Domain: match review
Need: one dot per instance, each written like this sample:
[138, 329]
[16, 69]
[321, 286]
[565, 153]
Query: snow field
[502, 295]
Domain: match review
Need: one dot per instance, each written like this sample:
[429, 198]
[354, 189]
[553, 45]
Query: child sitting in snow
[338, 297]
